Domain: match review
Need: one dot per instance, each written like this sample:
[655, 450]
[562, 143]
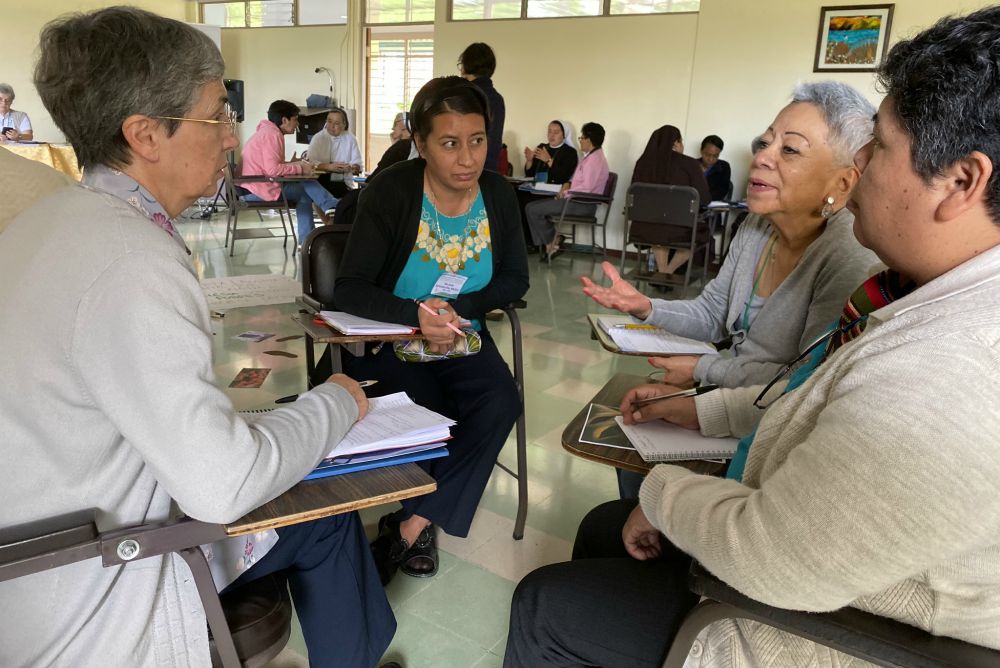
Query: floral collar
[124, 187]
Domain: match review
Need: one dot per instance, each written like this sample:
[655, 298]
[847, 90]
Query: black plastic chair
[321, 255]
[248, 625]
[876, 639]
[654, 205]
[605, 198]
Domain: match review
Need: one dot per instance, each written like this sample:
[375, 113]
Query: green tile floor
[457, 619]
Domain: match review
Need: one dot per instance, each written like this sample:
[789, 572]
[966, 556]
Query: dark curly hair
[945, 85]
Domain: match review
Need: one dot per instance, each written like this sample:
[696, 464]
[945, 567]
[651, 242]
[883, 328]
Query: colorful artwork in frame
[852, 39]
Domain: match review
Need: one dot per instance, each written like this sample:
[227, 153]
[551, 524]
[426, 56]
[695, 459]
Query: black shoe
[421, 560]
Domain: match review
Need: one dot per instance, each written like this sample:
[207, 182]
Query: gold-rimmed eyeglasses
[230, 119]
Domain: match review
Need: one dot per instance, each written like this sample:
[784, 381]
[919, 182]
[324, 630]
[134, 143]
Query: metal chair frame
[236, 204]
[606, 199]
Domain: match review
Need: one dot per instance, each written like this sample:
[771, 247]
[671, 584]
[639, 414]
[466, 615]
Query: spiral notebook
[661, 441]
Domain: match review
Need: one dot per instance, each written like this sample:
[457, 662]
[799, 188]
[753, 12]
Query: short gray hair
[96, 69]
[7, 91]
[847, 113]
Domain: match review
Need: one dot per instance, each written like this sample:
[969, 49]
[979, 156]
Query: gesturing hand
[679, 411]
[621, 296]
[642, 539]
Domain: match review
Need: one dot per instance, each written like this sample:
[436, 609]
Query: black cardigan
[382, 239]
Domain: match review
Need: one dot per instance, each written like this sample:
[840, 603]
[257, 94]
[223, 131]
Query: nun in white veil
[556, 157]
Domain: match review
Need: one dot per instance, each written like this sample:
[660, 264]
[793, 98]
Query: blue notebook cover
[328, 468]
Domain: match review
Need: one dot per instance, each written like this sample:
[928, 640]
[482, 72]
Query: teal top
[457, 244]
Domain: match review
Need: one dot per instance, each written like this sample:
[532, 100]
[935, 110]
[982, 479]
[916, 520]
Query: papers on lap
[393, 421]
[660, 441]
[352, 325]
[631, 336]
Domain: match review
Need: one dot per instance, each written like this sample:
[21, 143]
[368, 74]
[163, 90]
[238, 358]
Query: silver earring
[827, 209]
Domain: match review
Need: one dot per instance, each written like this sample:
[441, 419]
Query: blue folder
[334, 467]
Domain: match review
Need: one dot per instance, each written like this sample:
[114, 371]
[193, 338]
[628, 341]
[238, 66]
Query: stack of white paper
[657, 342]
[393, 421]
[352, 325]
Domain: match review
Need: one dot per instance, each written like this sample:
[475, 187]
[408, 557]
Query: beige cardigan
[873, 485]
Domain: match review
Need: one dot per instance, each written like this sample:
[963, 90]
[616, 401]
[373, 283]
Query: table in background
[60, 157]
[611, 395]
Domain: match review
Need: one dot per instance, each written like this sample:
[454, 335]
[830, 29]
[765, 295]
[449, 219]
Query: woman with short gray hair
[789, 270]
[14, 125]
[121, 357]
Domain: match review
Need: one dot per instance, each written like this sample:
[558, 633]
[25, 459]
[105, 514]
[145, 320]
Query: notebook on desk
[341, 465]
[352, 325]
[633, 336]
[660, 441]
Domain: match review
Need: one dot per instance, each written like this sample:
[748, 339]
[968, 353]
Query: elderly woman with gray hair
[14, 125]
[789, 270]
[793, 266]
[111, 403]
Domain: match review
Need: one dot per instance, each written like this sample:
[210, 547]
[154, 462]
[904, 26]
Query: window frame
[367, 24]
[605, 13]
[246, 15]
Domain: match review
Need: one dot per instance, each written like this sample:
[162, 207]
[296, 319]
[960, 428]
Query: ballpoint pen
[693, 392]
[450, 325]
[633, 326]
[293, 397]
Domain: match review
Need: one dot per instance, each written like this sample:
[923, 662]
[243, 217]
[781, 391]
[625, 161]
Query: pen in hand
[294, 397]
[693, 392]
[451, 326]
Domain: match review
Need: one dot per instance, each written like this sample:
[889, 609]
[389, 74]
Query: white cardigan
[109, 401]
[873, 485]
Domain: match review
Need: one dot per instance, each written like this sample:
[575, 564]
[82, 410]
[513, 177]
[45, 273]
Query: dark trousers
[339, 600]
[604, 608]
[479, 393]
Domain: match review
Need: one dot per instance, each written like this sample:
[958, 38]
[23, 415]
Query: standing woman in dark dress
[664, 162]
[441, 231]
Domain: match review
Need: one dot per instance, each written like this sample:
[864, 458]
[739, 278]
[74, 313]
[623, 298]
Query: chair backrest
[322, 251]
[657, 203]
[609, 187]
[729, 193]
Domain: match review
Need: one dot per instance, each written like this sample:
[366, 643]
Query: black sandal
[421, 560]
[388, 549]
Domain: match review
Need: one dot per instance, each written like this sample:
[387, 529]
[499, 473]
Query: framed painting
[852, 38]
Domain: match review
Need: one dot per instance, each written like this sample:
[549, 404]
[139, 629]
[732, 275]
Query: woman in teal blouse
[441, 231]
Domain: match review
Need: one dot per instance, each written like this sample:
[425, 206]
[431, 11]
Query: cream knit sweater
[874, 485]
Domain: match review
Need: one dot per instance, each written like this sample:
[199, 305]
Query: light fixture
[329, 74]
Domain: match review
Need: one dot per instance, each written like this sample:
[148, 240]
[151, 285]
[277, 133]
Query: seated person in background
[717, 171]
[33, 182]
[664, 162]
[122, 355]
[14, 125]
[403, 147]
[871, 485]
[556, 158]
[264, 154]
[590, 176]
[439, 232]
[333, 149]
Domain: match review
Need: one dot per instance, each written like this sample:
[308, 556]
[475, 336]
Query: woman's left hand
[641, 538]
[677, 370]
[543, 155]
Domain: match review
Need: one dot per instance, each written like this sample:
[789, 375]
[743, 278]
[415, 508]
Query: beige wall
[23, 20]
[737, 90]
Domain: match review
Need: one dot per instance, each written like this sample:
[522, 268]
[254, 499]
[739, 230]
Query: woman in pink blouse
[591, 176]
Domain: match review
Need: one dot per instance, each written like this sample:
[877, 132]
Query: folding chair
[872, 638]
[605, 198]
[321, 254]
[249, 625]
[234, 191]
[655, 205]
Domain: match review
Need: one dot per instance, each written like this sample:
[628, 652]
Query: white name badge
[448, 285]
